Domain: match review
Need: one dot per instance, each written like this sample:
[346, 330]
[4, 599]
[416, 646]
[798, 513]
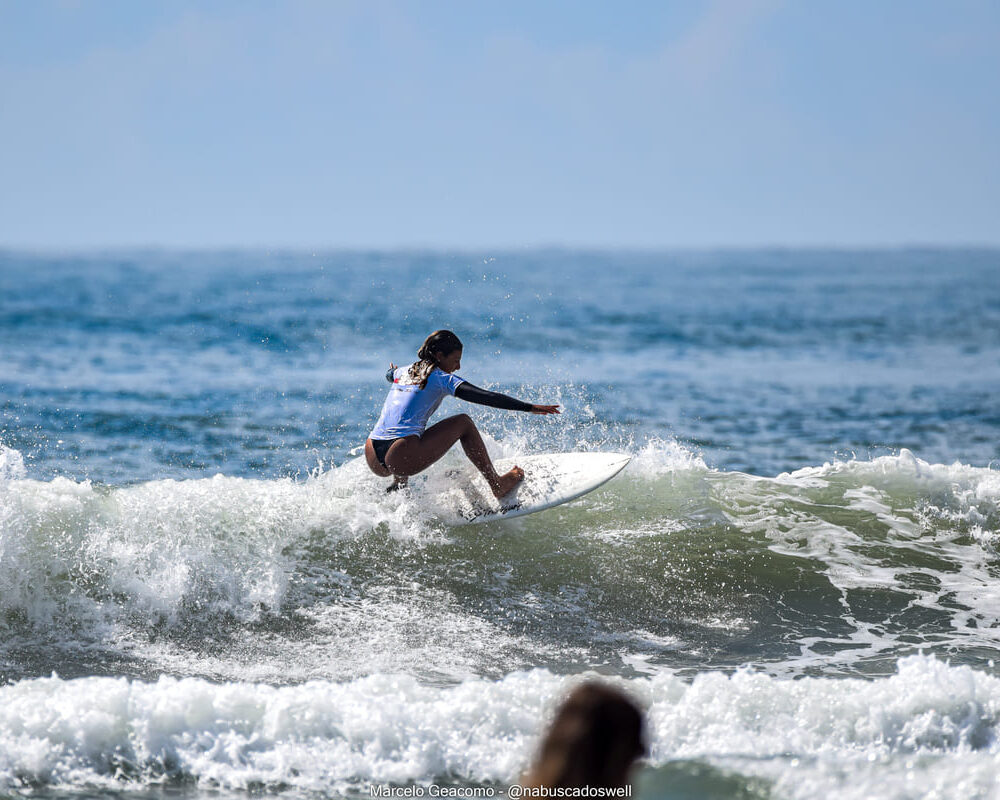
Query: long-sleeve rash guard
[484, 397]
[473, 394]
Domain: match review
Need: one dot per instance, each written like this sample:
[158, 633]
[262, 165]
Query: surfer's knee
[465, 420]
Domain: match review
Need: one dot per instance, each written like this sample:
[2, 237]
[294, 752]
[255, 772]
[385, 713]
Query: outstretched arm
[473, 394]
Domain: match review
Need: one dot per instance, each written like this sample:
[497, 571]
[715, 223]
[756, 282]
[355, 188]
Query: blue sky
[499, 124]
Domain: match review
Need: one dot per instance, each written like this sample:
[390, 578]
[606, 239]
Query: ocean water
[204, 593]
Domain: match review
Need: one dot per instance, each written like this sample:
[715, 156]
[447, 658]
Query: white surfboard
[548, 481]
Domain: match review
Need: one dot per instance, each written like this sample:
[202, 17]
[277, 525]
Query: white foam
[659, 457]
[11, 464]
[315, 736]
[221, 544]
[931, 724]
[903, 472]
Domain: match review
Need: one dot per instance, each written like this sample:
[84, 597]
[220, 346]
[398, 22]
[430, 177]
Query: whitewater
[204, 591]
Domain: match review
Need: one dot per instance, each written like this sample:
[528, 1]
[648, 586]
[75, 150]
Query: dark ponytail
[435, 346]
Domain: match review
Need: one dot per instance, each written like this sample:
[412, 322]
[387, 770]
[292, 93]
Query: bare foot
[507, 482]
[398, 483]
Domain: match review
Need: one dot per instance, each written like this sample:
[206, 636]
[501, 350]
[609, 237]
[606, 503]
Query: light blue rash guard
[408, 407]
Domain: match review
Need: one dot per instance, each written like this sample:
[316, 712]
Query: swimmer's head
[595, 739]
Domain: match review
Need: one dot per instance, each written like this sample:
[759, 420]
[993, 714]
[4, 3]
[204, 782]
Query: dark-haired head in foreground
[594, 740]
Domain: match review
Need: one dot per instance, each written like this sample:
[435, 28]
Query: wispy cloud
[714, 44]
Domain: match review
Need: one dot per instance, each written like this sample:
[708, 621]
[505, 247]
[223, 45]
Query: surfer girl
[402, 445]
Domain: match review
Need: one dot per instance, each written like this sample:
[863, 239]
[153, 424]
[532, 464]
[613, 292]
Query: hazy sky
[499, 124]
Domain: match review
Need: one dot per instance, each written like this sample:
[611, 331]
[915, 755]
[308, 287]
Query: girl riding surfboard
[402, 445]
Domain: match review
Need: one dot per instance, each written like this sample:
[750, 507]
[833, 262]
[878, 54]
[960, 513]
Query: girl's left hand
[545, 409]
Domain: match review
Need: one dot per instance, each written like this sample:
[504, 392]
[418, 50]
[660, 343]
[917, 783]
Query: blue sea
[205, 593]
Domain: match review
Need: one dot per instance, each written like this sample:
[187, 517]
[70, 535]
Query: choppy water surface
[202, 590]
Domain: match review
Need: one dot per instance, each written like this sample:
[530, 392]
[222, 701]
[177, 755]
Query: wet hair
[596, 736]
[435, 347]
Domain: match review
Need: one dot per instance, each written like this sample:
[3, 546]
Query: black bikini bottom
[381, 447]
